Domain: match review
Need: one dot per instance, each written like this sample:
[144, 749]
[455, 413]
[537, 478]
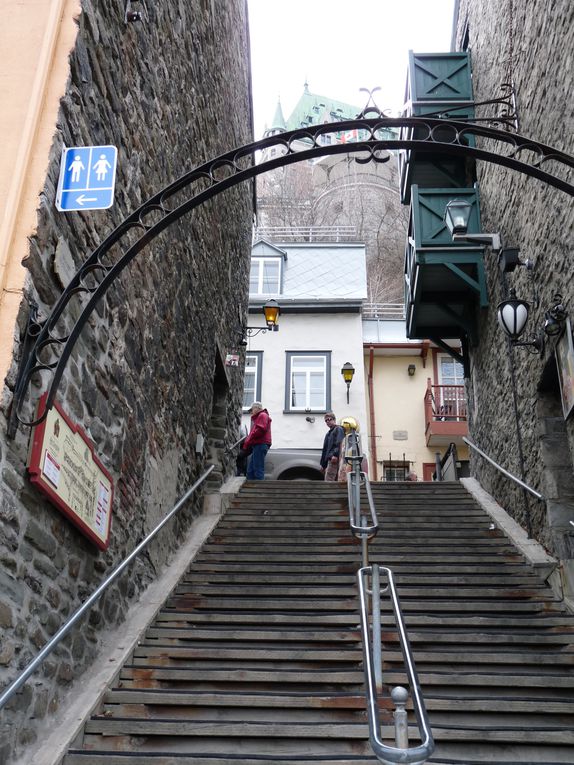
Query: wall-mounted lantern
[271, 310]
[512, 316]
[457, 217]
[348, 371]
[411, 369]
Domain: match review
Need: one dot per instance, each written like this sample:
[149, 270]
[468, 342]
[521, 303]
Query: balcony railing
[446, 414]
[386, 311]
[306, 233]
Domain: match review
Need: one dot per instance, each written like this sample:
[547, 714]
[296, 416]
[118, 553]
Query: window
[265, 276]
[252, 384]
[450, 371]
[308, 384]
[395, 471]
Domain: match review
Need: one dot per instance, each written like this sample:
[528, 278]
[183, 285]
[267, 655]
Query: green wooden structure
[445, 285]
[444, 281]
[437, 82]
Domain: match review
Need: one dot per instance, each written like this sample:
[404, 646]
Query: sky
[338, 47]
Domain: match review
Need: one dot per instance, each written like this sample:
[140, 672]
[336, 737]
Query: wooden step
[256, 655]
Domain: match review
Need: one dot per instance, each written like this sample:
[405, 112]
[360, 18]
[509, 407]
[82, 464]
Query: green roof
[312, 109]
[278, 118]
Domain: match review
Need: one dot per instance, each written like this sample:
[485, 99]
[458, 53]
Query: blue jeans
[256, 467]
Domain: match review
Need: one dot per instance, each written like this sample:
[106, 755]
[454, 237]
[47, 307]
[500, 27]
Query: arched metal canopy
[424, 135]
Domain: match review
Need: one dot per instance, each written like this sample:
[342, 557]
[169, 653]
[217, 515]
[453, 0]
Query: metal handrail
[63, 631]
[353, 454]
[232, 447]
[389, 755]
[525, 486]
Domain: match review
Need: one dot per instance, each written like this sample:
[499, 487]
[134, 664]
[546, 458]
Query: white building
[296, 371]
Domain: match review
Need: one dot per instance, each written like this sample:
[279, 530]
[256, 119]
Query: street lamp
[512, 315]
[271, 311]
[457, 217]
[348, 371]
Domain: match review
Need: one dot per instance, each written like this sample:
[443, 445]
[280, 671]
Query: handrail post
[400, 696]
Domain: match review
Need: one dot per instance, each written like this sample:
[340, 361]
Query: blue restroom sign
[87, 178]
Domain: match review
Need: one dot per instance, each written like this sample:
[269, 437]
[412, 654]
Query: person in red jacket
[258, 440]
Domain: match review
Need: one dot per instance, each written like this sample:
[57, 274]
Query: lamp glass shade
[348, 371]
[512, 316]
[457, 215]
[271, 310]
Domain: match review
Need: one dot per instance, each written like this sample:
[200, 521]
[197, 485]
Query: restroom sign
[87, 178]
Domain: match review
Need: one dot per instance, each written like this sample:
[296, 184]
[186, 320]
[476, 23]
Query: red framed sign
[63, 465]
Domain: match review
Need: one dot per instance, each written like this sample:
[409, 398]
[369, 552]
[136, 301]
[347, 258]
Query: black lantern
[555, 317]
[457, 216]
[512, 315]
[348, 371]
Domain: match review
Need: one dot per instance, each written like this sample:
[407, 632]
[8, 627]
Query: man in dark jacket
[331, 447]
[258, 441]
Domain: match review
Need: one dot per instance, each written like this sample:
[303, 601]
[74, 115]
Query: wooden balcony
[446, 414]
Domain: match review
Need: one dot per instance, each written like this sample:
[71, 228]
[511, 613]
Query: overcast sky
[339, 46]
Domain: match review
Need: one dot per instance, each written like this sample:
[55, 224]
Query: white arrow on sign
[82, 199]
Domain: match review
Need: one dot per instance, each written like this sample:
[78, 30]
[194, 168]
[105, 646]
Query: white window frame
[451, 400]
[326, 357]
[440, 359]
[258, 357]
[260, 262]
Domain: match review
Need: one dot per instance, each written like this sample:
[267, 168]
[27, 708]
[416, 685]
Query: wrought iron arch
[379, 134]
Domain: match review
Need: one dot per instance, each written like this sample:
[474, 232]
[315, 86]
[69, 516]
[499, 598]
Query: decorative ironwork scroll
[425, 135]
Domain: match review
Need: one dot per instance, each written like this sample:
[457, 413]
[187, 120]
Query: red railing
[445, 402]
[446, 412]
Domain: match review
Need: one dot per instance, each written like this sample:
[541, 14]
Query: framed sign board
[63, 465]
[565, 364]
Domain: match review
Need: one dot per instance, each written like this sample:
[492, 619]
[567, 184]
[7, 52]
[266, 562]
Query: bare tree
[338, 191]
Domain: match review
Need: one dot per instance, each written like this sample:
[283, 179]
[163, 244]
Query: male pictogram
[76, 167]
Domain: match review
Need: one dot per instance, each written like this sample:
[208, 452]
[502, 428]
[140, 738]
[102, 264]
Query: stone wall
[146, 375]
[530, 44]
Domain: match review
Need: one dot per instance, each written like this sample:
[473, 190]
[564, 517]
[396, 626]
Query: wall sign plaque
[565, 363]
[63, 465]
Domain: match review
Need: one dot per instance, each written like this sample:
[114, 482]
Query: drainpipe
[372, 427]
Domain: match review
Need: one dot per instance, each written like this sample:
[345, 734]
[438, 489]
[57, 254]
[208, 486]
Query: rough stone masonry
[146, 375]
[529, 45]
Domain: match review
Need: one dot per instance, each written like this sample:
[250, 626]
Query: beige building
[416, 401]
[35, 46]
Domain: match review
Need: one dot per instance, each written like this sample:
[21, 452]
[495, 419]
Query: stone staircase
[256, 656]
